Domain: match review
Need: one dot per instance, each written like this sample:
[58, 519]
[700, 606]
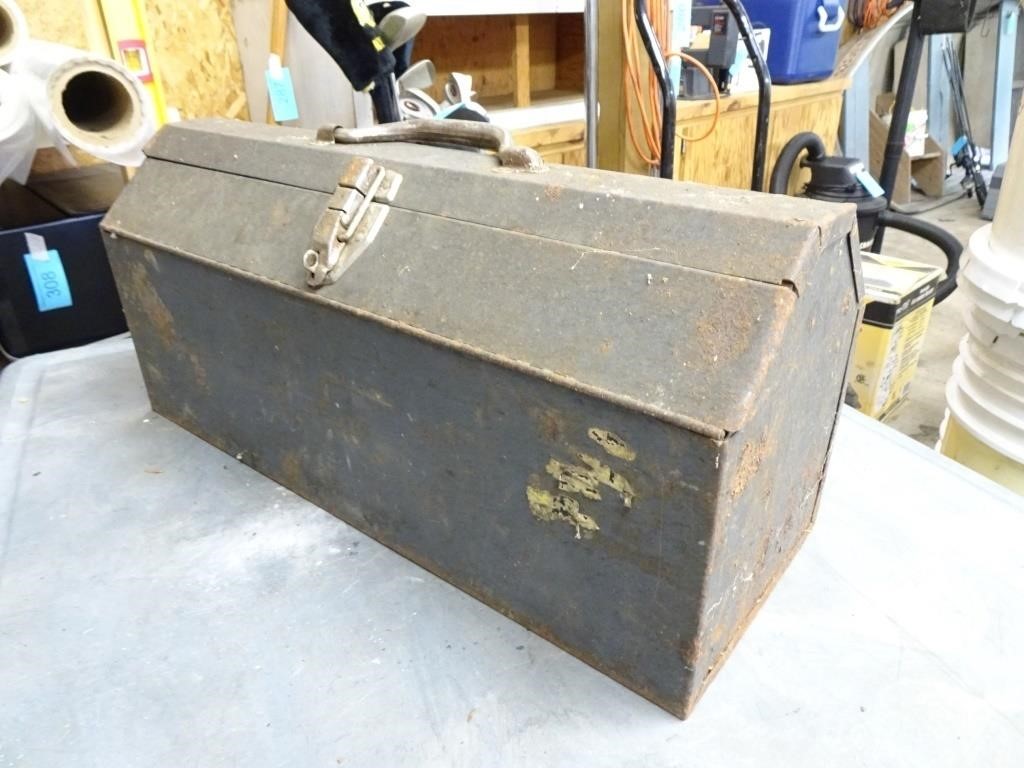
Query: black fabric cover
[346, 30]
[945, 16]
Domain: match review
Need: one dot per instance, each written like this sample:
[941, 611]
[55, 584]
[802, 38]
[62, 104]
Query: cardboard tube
[13, 30]
[88, 101]
[100, 107]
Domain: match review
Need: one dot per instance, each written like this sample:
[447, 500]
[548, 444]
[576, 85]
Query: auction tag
[282, 94]
[871, 186]
[46, 273]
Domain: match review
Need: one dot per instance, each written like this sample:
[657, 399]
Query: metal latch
[353, 218]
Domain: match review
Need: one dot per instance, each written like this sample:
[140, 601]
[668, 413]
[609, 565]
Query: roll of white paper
[13, 31]
[18, 130]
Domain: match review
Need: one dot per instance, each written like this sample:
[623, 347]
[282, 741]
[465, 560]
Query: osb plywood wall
[55, 21]
[193, 44]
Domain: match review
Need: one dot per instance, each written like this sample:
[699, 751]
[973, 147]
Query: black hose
[779, 184]
[764, 87]
[668, 97]
[896, 140]
[935, 235]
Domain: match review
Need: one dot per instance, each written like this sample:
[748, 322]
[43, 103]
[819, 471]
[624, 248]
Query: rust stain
[147, 301]
[197, 369]
[292, 474]
[154, 373]
[725, 333]
[754, 452]
[150, 304]
[549, 424]
[553, 192]
[689, 652]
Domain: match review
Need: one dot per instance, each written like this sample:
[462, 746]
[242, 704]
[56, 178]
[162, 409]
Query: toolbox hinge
[351, 221]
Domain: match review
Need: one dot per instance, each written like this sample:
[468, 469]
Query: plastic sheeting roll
[18, 130]
[985, 396]
[88, 101]
[13, 31]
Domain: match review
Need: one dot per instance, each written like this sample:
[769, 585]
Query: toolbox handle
[463, 133]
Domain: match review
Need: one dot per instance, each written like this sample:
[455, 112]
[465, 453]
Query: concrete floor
[922, 413]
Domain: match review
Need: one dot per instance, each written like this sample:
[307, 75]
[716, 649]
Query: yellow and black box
[900, 295]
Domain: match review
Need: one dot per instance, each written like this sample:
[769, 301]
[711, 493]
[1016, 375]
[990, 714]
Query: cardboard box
[925, 167]
[899, 295]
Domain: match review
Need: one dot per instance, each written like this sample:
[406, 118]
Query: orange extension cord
[868, 14]
[647, 99]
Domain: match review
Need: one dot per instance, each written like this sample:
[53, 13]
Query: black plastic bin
[56, 288]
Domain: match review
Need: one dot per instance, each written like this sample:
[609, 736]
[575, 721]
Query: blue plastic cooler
[805, 36]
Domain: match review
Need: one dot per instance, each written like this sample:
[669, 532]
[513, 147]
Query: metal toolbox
[602, 404]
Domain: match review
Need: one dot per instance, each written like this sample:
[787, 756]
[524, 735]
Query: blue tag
[282, 95]
[46, 271]
[871, 186]
[958, 145]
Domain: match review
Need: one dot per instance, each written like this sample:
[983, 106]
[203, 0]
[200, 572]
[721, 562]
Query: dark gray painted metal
[424, 393]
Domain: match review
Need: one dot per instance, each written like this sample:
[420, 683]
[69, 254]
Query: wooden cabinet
[557, 143]
[515, 60]
[725, 158]
[527, 69]
[492, 7]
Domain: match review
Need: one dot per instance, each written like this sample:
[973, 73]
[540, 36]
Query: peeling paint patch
[586, 479]
[573, 479]
[581, 480]
[612, 444]
[605, 475]
[550, 508]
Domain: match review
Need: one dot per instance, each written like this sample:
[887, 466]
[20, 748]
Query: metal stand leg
[900, 113]
[854, 128]
[1006, 41]
[940, 103]
[590, 79]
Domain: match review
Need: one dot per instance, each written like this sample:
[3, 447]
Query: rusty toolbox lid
[671, 298]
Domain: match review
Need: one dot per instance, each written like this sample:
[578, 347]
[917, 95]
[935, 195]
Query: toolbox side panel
[774, 467]
[587, 522]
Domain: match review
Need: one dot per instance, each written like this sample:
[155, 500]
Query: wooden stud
[521, 61]
[95, 28]
[611, 130]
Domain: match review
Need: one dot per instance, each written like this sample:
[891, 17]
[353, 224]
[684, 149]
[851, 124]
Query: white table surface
[163, 605]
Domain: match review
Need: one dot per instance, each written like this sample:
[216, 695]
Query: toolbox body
[602, 404]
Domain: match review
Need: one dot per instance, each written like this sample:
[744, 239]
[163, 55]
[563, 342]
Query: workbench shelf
[513, 58]
[527, 69]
